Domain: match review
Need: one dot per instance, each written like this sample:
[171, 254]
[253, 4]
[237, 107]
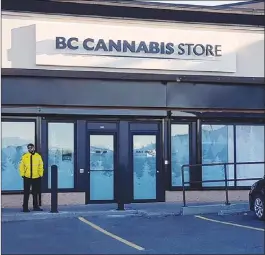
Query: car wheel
[259, 207]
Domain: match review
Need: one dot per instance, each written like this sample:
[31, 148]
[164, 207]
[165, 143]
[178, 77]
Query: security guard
[31, 170]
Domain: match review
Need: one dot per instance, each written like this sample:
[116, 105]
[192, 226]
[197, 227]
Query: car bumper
[251, 202]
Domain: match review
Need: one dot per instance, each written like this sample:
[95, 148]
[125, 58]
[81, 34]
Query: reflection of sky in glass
[19, 130]
[11, 129]
[102, 141]
[140, 141]
[212, 127]
[15, 137]
[179, 129]
[61, 135]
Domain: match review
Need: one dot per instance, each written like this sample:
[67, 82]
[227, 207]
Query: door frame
[99, 131]
[160, 188]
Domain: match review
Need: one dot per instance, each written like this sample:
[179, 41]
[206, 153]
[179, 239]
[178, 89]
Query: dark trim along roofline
[129, 10]
[100, 75]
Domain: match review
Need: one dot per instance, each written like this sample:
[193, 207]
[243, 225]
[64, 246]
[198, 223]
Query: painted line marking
[111, 235]
[229, 223]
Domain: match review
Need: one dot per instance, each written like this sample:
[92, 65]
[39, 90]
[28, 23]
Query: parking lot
[208, 234]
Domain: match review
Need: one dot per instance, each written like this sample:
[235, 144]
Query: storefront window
[15, 137]
[179, 153]
[61, 153]
[217, 147]
[249, 148]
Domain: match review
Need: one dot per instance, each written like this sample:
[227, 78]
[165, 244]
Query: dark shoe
[25, 210]
[38, 209]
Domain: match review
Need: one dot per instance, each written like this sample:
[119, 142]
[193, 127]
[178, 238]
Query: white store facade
[120, 104]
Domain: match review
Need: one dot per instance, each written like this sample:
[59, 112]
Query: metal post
[120, 206]
[183, 186]
[54, 189]
[226, 186]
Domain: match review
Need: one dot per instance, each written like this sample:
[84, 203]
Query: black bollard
[226, 186]
[54, 189]
[120, 206]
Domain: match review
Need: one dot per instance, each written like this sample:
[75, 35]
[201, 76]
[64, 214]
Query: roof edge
[135, 11]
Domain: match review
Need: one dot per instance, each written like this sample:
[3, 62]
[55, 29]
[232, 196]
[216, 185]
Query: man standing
[31, 170]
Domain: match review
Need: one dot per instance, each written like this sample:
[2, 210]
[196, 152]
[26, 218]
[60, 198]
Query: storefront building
[119, 104]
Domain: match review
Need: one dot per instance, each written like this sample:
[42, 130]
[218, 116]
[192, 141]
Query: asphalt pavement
[116, 234]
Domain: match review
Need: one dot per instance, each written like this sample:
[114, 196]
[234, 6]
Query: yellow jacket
[31, 169]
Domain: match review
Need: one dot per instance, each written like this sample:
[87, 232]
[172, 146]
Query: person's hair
[30, 145]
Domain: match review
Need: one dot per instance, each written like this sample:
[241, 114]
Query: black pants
[35, 187]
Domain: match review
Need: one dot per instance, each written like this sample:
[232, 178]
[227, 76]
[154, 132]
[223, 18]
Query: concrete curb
[64, 214]
[220, 209]
[157, 214]
[217, 208]
[244, 208]
[231, 212]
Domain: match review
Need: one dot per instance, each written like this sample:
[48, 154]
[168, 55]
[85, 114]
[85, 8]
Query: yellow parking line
[229, 223]
[111, 235]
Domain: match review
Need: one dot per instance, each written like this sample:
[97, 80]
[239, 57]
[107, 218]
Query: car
[257, 198]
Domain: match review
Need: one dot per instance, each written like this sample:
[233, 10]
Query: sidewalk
[162, 209]
[148, 209]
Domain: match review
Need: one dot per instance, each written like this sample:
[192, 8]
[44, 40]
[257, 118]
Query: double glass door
[123, 163]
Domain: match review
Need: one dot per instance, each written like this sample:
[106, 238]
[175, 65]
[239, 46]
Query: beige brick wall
[9, 201]
[63, 199]
[207, 196]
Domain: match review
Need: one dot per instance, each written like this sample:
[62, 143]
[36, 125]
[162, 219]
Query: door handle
[157, 171]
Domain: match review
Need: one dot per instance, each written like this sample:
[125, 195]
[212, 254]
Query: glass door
[146, 167]
[101, 166]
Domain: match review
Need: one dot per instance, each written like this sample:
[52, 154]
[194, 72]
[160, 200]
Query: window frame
[232, 122]
[191, 151]
[46, 188]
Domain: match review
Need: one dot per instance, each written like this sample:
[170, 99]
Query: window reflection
[15, 137]
[179, 153]
[101, 152]
[61, 153]
[217, 147]
[144, 166]
[249, 148]
[101, 167]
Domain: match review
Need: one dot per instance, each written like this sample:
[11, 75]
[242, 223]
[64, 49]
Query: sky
[210, 3]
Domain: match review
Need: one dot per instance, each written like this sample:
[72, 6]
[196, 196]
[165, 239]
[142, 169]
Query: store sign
[134, 48]
[117, 47]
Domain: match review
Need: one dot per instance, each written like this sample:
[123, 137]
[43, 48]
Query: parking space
[243, 220]
[188, 235]
[136, 235]
[57, 236]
